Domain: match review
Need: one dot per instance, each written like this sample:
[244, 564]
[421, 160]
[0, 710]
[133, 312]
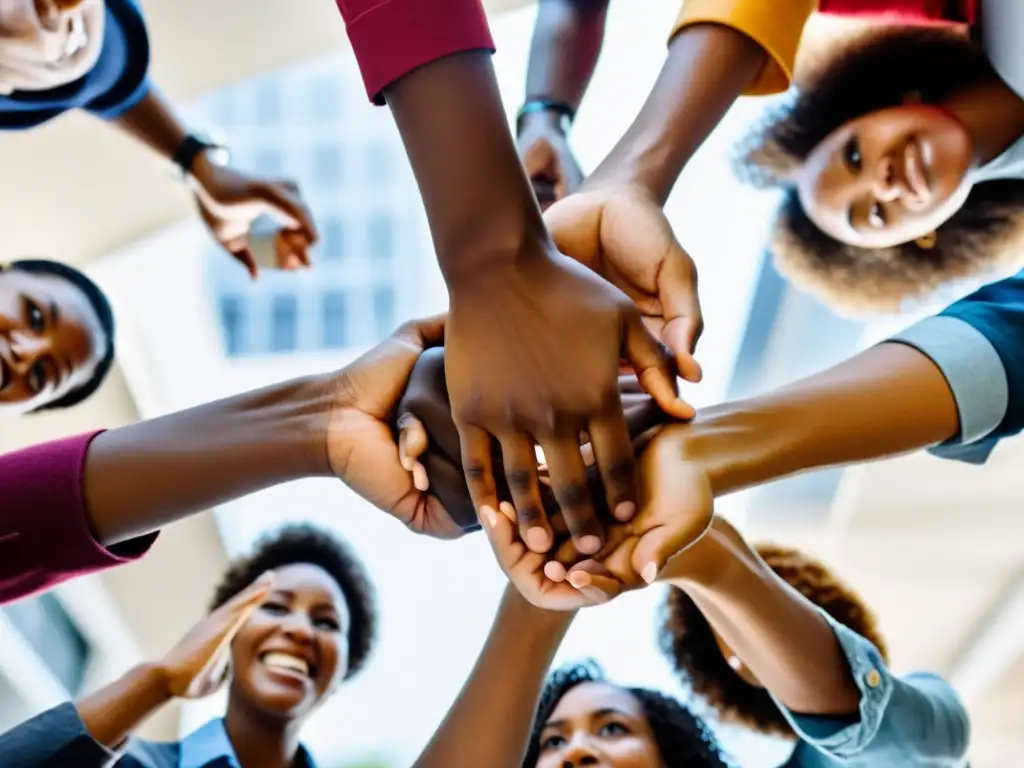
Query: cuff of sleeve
[972, 367]
[57, 737]
[53, 524]
[776, 27]
[395, 37]
[875, 684]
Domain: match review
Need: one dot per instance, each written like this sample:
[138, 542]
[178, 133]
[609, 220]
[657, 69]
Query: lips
[289, 665]
[915, 173]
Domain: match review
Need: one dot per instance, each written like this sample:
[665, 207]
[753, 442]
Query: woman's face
[293, 651]
[50, 340]
[888, 177]
[597, 725]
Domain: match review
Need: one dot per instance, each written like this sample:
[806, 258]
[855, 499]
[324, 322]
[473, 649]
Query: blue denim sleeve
[978, 344]
[126, 57]
[914, 720]
[54, 739]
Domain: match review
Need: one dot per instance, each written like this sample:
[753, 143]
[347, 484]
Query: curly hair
[688, 642]
[308, 545]
[99, 303]
[682, 738]
[872, 71]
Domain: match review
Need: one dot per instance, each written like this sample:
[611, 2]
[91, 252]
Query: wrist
[502, 262]
[544, 116]
[532, 621]
[153, 684]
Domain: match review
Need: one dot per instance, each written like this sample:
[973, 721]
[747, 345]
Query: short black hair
[104, 312]
[683, 739]
[876, 70]
[304, 544]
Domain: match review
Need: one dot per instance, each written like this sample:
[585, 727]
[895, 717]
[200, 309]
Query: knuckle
[520, 480]
[529, 516]
[574, 495]
[476, 472]
[621, 474]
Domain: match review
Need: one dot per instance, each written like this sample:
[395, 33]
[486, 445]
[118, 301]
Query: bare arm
[780, 636]
[113, 712]
[566, 43]
[490, 723]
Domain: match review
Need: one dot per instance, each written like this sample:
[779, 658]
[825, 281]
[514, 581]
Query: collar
[210, 746]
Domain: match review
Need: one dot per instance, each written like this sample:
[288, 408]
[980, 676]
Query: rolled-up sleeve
[914, 720]
[45, 537]
[978, 344]
[775, 26]
[391, 38]
[55, 739]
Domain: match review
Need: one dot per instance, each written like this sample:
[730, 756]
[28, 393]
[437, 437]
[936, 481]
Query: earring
[735, 663]
[927, 242]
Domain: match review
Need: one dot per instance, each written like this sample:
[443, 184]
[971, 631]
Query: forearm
[777, 633]
[142, 477]
[566, 43]
[478, 200]
[153, 122]
[888, 400]
[707, 69]
[113, 712]
[490, 722]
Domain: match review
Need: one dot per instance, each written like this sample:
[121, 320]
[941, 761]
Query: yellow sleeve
[775, 25]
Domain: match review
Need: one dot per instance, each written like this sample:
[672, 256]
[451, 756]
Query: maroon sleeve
[391, 38]
[44, 534]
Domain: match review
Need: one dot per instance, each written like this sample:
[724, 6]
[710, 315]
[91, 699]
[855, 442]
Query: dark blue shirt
[978, 344]
[115, 85]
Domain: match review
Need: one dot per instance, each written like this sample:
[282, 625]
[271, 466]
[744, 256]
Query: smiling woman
[56, 337]
[291, 622]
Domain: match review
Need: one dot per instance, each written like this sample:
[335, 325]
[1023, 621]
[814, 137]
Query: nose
[887, 185]
[580, 753]
[25, 351]
[298, 627]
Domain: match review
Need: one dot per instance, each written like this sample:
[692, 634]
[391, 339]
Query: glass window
[380, 165]
[335, 334]
[232, 320]
[54, 636]
[327, 165]
[268, 107]
[325, 98]
[384, 310]
[268, 162]
[332, 238]
[284, 319]
[381, 229]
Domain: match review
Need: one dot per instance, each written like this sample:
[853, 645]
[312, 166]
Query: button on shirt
[58, 739]
[914, 720]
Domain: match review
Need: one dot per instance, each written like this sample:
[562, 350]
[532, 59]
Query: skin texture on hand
[533, 339]
[547, 158]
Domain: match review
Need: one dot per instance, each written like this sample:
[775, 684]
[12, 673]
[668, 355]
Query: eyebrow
[557, 724]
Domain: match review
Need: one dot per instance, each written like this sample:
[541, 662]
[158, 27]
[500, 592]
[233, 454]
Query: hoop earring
[927, 242]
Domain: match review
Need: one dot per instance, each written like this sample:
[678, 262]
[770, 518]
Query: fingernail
[588, 545]
[419, 477]
[625, 510]
[554, 571]
[579, 579]
[650, 572]
[594, 595]
[537, 539]
[490, 515]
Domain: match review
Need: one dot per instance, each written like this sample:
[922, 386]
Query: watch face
[218, 155]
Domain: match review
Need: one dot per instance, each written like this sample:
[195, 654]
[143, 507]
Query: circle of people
[897, 156]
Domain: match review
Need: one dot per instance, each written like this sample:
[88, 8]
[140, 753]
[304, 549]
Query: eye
[876, 216]
[275, 609]
[34, 316]
[613, 729]
[851, 154]
[328, 623]
[37, 378]
[551, 742]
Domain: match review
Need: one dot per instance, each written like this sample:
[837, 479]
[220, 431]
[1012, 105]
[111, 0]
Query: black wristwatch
[561, 108]
[195, 144]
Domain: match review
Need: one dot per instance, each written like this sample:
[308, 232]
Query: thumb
[684, 323]
[654, 366]
[679, 508]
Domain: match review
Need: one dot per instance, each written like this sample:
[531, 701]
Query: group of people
[898, 156]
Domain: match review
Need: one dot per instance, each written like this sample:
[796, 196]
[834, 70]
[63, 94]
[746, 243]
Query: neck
[993, 115]
[259, 741]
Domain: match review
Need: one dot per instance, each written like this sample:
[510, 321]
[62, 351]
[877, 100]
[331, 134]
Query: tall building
[310, 123]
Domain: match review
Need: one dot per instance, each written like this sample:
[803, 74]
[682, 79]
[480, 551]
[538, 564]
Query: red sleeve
[944, 10]
[44, 533]
[391, 38]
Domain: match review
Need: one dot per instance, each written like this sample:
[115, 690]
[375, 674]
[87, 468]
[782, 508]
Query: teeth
[286, 661]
